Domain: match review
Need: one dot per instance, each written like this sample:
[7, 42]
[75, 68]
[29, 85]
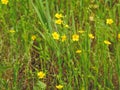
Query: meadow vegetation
[59, 45]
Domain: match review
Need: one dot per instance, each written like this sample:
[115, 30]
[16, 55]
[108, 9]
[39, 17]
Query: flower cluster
[41, 75]
[59, 18]
[56, 36]
[75, 37]
[4, 2]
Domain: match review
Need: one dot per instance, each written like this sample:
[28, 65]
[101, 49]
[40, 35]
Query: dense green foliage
[81, 51]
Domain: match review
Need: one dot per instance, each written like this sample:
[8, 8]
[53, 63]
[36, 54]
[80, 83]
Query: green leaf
[40, 85]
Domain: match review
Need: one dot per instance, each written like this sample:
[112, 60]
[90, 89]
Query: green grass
[97, 67]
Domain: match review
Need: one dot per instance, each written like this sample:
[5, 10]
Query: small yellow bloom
[57, 15]
[107, 42]
[78, 51]
[63, 38]
[55, 35]
[12, 31]
[75, 37]
[91, 18]
[66, 26]
[109, 21]
[81, 31]
[33, 37]
[41, 74]
[83, 88]
[4, 2]
[59, 21]
[118, 36]
[59, 86]
[91, 36]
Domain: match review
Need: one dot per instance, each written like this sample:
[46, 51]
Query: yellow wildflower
[41, 74]
[59, 86]
[63, 38]
[33, 37]
[58, 15]
[55, 35]
[12, 31]
[59, 21]
[66, 26]
[91, 36]
[118, 36]
[109, 21]
[107, 42]
[91, 18]
[75, 37]
[83, 88]
[78, 51]
[81, 31]
[4, 2]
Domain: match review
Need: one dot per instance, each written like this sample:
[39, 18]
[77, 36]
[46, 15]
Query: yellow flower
[107, 42]
[55, 35]
[118, 36]
[59, 21]
[12, 31]
[91, 18]
[83, 88]
[91, 36]
[109, 21]
[63, 38]
[41, 74]
[4, 2]
[33, 37]
[81, 31]
[78, 51]
[75, 37]
[59, 86]
[58, 15]
[66, 26]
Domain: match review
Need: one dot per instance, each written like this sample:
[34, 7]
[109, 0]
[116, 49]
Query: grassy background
[97, 67]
